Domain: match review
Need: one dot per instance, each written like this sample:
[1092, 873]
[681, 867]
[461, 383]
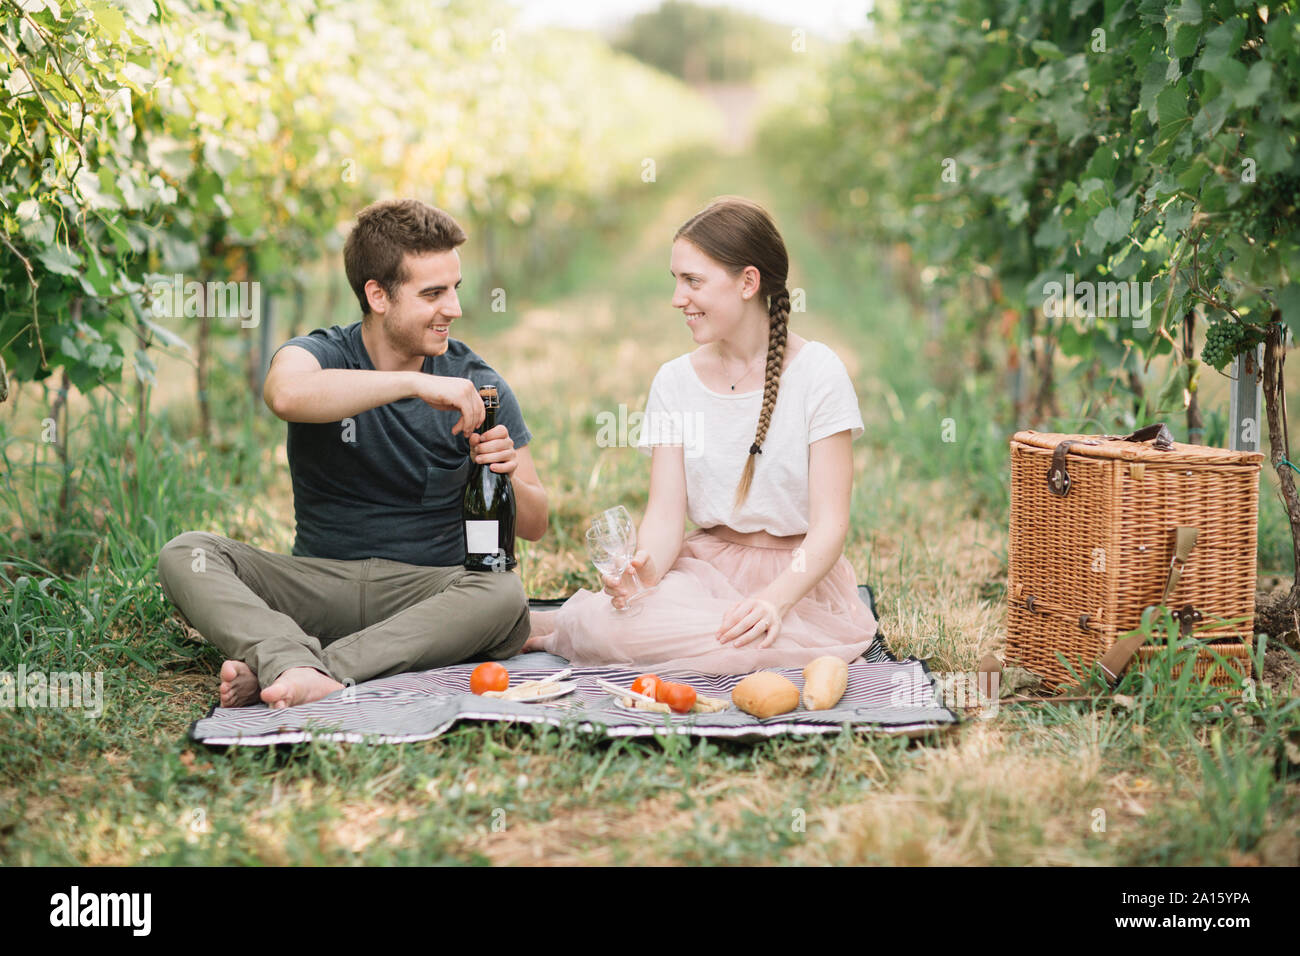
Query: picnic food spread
[671, 697]
[824, 682]
[765, 694]
[488, 676]
[529, 690]
[647, 684]
[680, 697]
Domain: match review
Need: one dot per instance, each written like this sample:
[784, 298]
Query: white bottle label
[481, 537]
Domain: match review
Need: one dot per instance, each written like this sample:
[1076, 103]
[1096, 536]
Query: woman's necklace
[742, 374]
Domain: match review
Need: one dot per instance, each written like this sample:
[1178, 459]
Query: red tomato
[647, 684]
[680, 697]
[489, 676]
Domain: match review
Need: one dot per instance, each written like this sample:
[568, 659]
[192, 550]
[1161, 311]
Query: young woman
[750, 436]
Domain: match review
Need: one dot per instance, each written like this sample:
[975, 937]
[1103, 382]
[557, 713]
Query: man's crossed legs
[297, 628]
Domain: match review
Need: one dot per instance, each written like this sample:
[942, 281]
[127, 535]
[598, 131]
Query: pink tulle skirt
[677, 628]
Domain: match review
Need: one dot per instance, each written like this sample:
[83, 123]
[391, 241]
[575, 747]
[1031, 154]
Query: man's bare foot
[238, 684]
[298, 685]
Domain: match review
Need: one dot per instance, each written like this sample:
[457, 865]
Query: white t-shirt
[816, 399]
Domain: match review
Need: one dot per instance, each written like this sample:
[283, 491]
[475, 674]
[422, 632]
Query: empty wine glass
[617, 515]
[610, 554]
[615, 525]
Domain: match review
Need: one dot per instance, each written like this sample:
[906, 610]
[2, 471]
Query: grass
[1168, 774]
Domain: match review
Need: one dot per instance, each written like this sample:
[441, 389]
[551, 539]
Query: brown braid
[778, 311]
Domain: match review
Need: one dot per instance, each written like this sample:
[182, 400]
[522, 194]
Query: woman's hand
[754, 618]
[620, 589]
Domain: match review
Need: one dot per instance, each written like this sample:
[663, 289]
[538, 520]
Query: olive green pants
[350, 619]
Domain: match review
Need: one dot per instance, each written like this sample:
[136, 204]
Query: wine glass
[610, 553]
[616, 524]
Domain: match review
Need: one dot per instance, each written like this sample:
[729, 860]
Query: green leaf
[1272, 154]
[1171, 105]
[1048, 51]
[1257, 83]
[1051, 234]
[1185, 39]
[139, 10]
[1128, 264]
[1210, 119]
[1111, 225]
[1222, 43]
[166, 334]
[1223, 77]
[1189, 11]
[144, 367]
[60, 260]
[1178, 217]
[109, 19]
[1153, 81]
[99, 355]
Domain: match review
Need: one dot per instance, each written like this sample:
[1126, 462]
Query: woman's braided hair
[736, 232]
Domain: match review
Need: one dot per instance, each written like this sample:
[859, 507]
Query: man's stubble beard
[410, 343]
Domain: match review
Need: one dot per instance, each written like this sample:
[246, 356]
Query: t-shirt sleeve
[328, 349]
[659, 426]
[833, 402]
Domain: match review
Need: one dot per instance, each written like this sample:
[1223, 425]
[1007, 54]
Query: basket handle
[1159, 431]
[1115, 660]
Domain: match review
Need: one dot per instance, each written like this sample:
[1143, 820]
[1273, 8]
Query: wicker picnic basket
[1101, 529]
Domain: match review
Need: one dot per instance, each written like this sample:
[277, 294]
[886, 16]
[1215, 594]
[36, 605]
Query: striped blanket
[884, 695]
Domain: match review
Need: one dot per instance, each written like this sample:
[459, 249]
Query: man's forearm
[334, 394]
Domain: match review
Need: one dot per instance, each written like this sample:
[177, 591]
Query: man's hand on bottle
[496, 447]
[454, 395]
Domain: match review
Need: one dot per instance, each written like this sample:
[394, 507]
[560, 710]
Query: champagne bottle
[488, 507]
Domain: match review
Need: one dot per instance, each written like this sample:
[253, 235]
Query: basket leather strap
[1115, 660]
[1164, 438]
[1184, 541]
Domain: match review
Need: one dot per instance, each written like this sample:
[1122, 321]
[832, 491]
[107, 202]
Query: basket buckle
[1187, 617]
[1058, 477]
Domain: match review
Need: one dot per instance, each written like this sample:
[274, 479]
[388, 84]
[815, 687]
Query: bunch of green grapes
[1227, 339]
[1222, 342]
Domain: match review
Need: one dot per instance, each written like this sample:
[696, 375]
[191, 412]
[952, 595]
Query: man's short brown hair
[385, 232]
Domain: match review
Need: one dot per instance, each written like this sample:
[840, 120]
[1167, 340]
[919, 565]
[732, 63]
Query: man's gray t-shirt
[387, 483]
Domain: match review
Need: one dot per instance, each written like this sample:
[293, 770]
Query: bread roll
[824, 681]
[765, 694]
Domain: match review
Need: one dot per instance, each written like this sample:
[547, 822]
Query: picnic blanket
[884, 695]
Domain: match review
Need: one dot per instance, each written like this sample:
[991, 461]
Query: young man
[381, 420]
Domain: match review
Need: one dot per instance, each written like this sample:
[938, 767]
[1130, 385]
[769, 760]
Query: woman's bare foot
[299, 685]
[542, 626]
[238, 684]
